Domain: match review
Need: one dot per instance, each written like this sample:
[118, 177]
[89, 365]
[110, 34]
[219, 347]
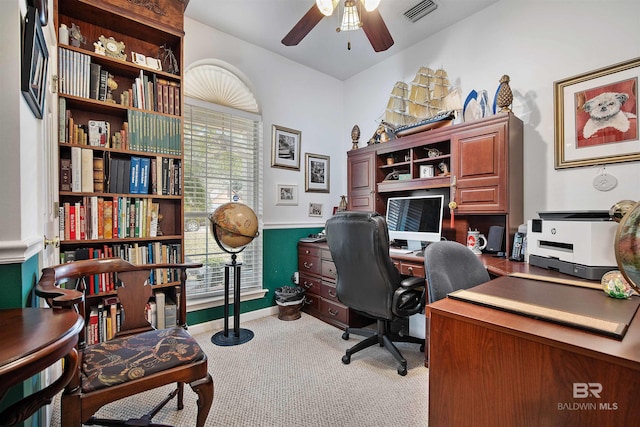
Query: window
[223, 163]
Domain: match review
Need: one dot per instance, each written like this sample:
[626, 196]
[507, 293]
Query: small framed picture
[286, 195]
[139, 59]
[315, 209]
[285, 148]
[317, 173]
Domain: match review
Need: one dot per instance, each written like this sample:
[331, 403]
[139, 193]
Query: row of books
[80, 77]
[84, 172]
[106, 318]
[109, 218]
[135, 253]
[154, 134]
[96, 133]
[74, 71]
[143, 175]
[155, 94]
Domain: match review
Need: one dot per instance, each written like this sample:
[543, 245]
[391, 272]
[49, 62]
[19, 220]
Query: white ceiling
[265, 22]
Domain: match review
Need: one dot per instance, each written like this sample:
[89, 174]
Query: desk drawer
[310, 284]
[410, 269]
[328, 291]
[312, 304]
[309, 250]
[329, 269]
[309, 264]
[334, 311]
[326, 254]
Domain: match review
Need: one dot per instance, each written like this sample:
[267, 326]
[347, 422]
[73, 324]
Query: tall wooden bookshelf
[120, 136]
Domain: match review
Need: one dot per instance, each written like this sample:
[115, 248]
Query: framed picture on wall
[285, 148]
[316, 177]
[596, 116]
[315, 209]
[287, 194]
[35, 58]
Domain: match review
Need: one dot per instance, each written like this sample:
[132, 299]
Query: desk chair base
[381, 337]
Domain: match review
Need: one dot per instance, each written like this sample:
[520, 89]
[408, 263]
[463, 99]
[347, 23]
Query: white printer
[579, 243]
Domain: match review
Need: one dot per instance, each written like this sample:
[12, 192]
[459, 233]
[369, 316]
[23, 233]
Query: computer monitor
[415, 219]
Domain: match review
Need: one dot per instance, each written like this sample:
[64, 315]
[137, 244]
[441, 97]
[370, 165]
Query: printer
[579, 243]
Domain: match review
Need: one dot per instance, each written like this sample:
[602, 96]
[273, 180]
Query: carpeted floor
[291, 374]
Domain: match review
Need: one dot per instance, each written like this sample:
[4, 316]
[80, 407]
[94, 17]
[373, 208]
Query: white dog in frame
[604, 112]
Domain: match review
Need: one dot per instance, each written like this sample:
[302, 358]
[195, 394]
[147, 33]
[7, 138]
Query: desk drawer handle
[307, 285]
[333, 313]
[410, 269]
[331, 271]
[332, 294]
[307, 251]
[308, 301]
[307, 264]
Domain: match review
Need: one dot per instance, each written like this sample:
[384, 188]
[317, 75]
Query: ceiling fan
[354, 17]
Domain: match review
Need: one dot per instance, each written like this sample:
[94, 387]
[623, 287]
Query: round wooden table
[32, 339]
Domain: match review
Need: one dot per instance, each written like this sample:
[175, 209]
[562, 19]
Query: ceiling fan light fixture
[326, 6]
[370, 5]
[350, 18]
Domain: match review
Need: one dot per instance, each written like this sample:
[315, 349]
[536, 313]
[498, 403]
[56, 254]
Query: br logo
[584, 390]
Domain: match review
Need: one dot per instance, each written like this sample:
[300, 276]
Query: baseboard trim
[218, 324]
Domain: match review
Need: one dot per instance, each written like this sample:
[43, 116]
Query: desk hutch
[483, 164]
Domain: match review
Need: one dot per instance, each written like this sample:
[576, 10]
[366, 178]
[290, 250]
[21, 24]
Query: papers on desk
[399, 251]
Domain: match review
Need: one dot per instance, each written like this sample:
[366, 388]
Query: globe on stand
[233, 225]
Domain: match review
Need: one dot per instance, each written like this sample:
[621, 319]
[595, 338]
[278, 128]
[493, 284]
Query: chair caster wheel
[345, 336]
[402, 370]
[346, 359]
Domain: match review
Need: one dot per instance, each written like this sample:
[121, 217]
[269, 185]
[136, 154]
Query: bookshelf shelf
[120, 140]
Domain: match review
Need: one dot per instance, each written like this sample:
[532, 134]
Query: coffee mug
[473, 241]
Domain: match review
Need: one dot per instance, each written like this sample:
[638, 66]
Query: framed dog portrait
[285, 148]
[596, 116]
[317, 173]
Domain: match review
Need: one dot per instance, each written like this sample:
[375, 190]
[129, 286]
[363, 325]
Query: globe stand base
[228, 339]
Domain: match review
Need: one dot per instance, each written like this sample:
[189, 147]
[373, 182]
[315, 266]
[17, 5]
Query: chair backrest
[450, 266]
[133, 289]
[367, 278]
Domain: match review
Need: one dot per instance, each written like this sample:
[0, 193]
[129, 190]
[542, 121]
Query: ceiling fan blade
[303, 27]
[376, 30]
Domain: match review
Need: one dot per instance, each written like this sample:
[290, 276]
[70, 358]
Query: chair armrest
[49, 289]
[412, 282]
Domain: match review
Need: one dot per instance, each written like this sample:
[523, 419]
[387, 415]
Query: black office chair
[450, 266]
[369, 283]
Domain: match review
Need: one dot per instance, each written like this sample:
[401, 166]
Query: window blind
[222, 163]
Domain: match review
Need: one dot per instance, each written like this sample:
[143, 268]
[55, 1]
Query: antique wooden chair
[138, 357]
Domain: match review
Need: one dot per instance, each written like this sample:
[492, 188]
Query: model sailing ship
[431, 102]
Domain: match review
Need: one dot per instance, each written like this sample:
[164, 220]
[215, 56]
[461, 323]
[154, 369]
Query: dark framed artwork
[596, 116]
[285, 148]
[35, 59]
[317, 173]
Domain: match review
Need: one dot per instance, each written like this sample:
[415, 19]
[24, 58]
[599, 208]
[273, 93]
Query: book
[98, 174]
[76, 169]
[102, 87]
[65, 174]
[98, 133]
[94, 80]
[160, 306]
[170, 313]
[145, 168]
[134, 175]
[87, 170]
[108, 219]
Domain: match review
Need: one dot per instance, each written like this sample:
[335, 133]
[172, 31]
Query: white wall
[289, 95]
[536, 43]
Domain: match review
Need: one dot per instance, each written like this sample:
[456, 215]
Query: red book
[72, 222]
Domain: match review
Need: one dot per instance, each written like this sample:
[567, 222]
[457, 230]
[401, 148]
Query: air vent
[420, 10]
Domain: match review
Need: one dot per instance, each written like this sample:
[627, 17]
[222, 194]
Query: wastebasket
[290, 300]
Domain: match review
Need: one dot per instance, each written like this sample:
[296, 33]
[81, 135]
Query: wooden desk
[32, 340]
[489, 367]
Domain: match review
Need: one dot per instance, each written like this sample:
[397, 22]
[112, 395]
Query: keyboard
[313, 239]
